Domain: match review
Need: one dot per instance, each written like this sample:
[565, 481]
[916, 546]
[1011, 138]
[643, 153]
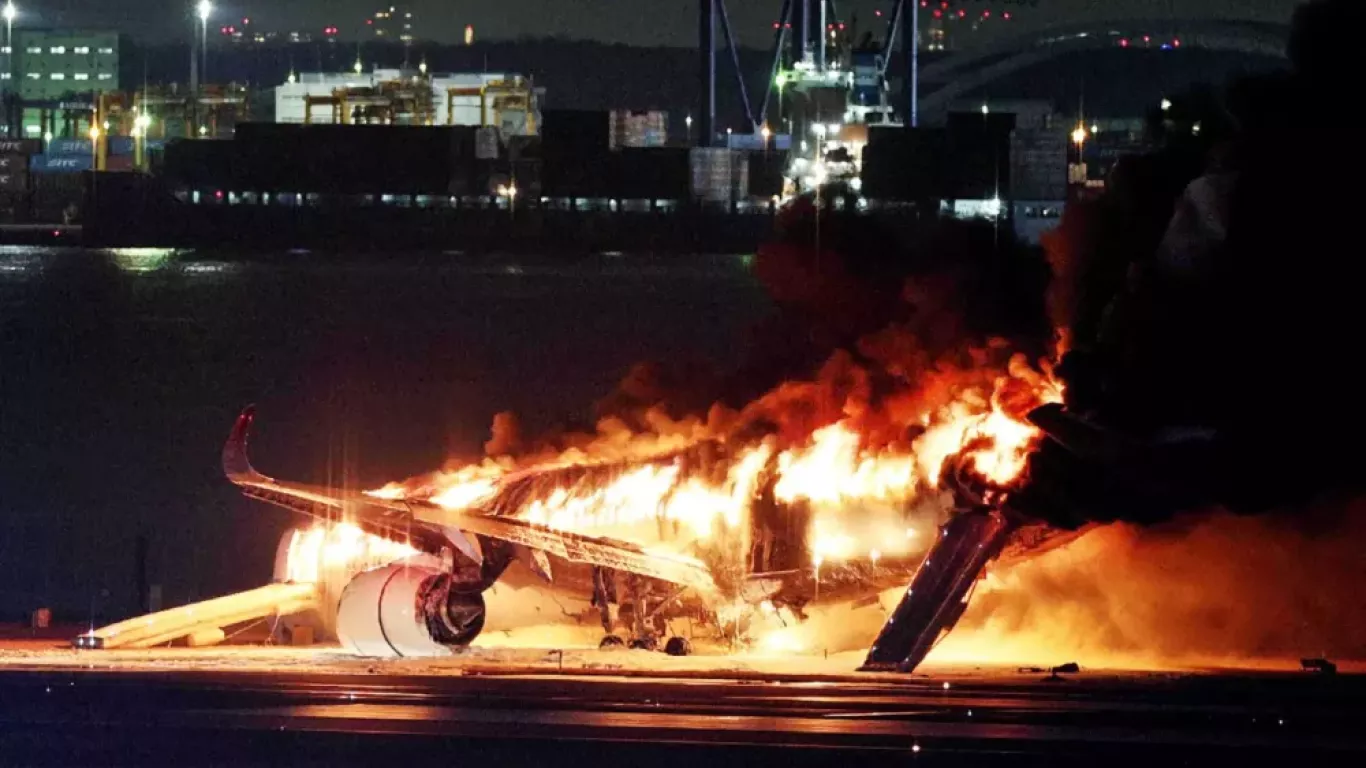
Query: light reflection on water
[141, 259]
[19, 262]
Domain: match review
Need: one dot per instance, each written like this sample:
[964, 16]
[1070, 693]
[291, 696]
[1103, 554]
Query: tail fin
[236, 464]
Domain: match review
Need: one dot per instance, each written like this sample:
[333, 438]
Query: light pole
[204, 9]
[10, 12]
[141, 124]
[94, 147]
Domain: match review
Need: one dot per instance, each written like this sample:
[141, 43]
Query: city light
[94, 133]
[1166, 105]
[10, 12]
[765, 132]
[1079, 136]
[204, 10]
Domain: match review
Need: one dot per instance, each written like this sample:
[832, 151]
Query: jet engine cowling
[406, 609]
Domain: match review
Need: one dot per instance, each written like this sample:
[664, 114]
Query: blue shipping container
[61, 163]
[69, 147]
[122, 145]
[754, 142]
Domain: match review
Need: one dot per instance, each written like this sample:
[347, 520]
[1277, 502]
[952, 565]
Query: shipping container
[41, 164]
[13, 181]
[766, 173]
[69, 147]
[23, 147]
[354, 159]
[659, 173]
[566, 173]
[719, 175]
[118, 163]
[199, 163]
[582, 131]
[121, 145]
[638, 129]
[1038, 165]
[906, 164]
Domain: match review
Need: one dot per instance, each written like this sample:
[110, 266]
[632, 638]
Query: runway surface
[92, 709]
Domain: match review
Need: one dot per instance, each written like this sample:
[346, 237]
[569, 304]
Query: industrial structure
[404, 97]
[58, 71]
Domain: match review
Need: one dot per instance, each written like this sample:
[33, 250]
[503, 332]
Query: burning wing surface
[431, 527]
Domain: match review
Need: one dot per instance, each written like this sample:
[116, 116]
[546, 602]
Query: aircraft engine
[408, 608]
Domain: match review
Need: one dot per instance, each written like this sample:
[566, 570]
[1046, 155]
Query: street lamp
[204, 10]
[94, 147]
[1079, 136]
[10, 12]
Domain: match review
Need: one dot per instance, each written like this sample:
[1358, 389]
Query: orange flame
[315, 554]
[860, 491]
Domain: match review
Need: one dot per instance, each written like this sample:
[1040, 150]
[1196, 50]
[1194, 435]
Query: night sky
[637, 22]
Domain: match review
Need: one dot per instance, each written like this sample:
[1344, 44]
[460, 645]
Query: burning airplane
[746, 517]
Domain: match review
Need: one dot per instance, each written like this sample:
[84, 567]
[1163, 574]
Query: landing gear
[645, 643]
[678, 646]
[645, 626]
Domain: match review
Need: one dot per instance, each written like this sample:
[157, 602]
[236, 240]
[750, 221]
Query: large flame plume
[862, 447]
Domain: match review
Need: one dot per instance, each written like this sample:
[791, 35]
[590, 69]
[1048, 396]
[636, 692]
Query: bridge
[957, 75]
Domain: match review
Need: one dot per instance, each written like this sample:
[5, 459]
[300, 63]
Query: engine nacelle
[408, 608]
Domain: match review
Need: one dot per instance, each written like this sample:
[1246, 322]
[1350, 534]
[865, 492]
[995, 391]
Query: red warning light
[879, 13]
[1124, 42]
[938, 14]
[962, 14]
[1176, 43]
[246, 21]
[1006, 16]
[986, 14]
[841, 25]
[1147, 39]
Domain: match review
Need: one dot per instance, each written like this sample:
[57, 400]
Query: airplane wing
[430, 526]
